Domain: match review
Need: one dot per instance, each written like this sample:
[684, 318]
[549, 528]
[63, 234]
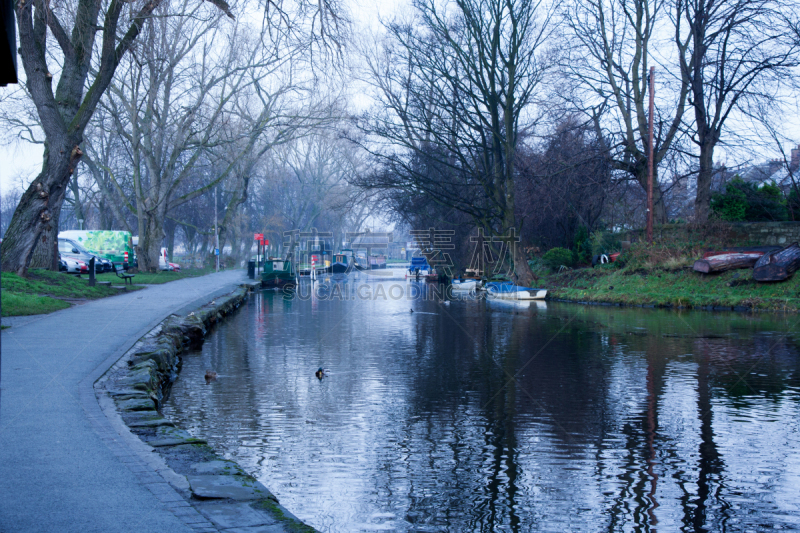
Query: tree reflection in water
[482, 417]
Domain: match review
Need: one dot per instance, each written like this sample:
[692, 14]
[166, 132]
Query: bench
[121, 274]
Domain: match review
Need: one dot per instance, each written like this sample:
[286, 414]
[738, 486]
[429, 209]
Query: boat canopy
[420, 263]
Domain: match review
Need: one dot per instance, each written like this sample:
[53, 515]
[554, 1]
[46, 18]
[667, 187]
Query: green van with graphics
[108, 244]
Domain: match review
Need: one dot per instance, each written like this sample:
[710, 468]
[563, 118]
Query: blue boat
[421, 270]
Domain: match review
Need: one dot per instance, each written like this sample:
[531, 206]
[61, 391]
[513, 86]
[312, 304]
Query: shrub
[556, 257]
[583, 245]
[604, 242]
[744, 201]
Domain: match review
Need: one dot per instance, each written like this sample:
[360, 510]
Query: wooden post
[650, 158]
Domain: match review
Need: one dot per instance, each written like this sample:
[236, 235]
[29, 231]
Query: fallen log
[777, 265]
[723, 262]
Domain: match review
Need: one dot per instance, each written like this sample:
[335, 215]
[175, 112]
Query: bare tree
[65, 112]
[454, 87]
[190, 91]
[739, 52]
[84, 62]
[563, 184]
[609, 48]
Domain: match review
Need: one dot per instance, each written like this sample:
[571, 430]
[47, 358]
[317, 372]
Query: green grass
[674, 288]
[58, 284]
[16, 304]
[41, 291]
[162, 276]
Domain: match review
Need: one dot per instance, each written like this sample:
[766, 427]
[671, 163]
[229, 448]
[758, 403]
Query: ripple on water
[486, 419]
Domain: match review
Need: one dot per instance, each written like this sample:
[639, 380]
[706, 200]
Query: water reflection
[482, 416]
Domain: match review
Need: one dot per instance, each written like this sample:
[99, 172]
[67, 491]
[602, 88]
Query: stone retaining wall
[737, 233]
[218, 489]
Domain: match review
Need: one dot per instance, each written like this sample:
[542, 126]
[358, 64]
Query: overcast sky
[24, 159]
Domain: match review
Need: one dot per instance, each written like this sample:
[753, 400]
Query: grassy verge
[159, 277]
[44, 291]
[15, 304]
[670, 282]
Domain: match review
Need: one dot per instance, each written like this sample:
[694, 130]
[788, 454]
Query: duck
[320, 373]
[210, 375]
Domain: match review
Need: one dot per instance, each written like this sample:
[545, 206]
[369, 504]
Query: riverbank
[677, 287]
[130, 394]
[63, 465]
[45, 291]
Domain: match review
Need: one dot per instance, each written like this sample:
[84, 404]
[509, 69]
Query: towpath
[63, 467]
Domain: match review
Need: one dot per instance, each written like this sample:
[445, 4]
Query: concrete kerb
[151, 469]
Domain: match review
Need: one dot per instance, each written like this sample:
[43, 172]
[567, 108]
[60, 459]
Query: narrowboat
[277, 273]
[342, 262]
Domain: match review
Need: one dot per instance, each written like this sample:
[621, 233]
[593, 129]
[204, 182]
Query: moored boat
[761, 250]
[418, 269]
[277, 273]
[726, 261]
[341, 264]
[777, 265]
[465, 284]
[509, 291]
[377, 261]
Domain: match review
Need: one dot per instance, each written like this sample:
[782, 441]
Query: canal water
[478, 415]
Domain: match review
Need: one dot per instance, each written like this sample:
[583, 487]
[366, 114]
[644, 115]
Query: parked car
[72, 249]
[72, 265]
[164, 263]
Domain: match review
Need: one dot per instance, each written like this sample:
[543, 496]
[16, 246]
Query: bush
[557, 257]
[583, 246]
[746, 202]
[604, 242]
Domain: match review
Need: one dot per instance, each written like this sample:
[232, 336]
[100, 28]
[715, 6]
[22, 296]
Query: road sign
[216, 251]
[258, 236]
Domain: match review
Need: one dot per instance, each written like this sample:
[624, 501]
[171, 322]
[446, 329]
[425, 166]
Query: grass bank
[674, 288]
[45, 291]
[155, 278]
[662, 276]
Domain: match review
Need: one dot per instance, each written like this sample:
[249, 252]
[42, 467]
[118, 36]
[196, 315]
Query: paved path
[62, 467]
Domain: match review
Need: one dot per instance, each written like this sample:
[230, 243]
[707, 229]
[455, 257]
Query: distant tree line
[516, 118]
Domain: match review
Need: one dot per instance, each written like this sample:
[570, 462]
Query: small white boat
[465, 284]
[507, 291]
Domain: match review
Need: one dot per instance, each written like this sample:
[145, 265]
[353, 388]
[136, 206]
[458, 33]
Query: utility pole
[650, 158]
[216, 230]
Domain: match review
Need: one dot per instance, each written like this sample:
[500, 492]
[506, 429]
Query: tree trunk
[702, 202]
[659, 209]
[151, 239]
[45, 254]
[35, 221]
[169, 229]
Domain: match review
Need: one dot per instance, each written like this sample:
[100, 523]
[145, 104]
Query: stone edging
[206, 492]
